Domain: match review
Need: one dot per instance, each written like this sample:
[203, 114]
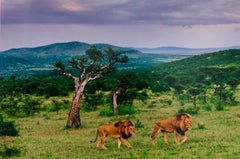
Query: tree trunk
[74, 119]
[115, 105]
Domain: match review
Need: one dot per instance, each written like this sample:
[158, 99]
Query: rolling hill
[31, 61]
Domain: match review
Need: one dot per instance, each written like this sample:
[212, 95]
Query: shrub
[91, 101]
[7, 128]
[201, 126]
[122, 110]
[139, 124]
[31, 105]
[126, 109]
[21, 106]
[207, 107]
[106, 112]
[7, 152]
[219, 106]
[190, 110]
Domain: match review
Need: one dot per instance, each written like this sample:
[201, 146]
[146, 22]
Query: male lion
[178, 125]
[121, 130]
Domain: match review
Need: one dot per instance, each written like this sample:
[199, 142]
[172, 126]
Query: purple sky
[135, 23]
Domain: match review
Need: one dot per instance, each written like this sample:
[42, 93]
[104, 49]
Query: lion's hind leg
[155, 132]
[101, 142]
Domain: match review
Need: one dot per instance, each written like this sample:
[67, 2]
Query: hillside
[30, 61]
[221, 59]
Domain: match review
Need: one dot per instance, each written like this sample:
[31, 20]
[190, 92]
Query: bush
[122, 110]
[106, 112]
[21, 106]
[207, 107]
[7, 152]
[126, 109]
[190, 110]
[219, 106]
[201, 126]
[139, 124]
[91, 101]
[7, 128]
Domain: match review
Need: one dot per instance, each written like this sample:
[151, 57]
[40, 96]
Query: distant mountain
[31, 61]
[182, 51]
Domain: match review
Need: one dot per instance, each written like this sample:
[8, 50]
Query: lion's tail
[96, 137]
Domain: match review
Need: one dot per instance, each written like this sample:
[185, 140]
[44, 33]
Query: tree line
[189, 79]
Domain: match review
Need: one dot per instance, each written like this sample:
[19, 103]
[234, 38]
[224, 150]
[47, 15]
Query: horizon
[125, 23]
[137, 48]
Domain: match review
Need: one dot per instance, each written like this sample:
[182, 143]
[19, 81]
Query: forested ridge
[190, 77]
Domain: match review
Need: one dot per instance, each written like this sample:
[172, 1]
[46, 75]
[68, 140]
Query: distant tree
[85, 68]
[194, 91]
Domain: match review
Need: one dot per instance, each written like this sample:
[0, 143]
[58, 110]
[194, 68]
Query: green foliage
[91, 101]
[160, 87]
[219, 106]
[200, 126]
[189, 110]
[7, 128]
[21, 105]
[126, 109]
[30, 105]
[8, 152]
[122, 110]
[207, 107]
[39, 85]
[107, 112]
[139, 124]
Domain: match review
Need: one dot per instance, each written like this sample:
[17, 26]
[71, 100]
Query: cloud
[124, 12]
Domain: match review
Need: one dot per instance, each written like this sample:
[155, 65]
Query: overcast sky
[130, 23]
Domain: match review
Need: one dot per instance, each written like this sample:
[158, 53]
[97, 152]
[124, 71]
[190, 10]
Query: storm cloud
[124, 12]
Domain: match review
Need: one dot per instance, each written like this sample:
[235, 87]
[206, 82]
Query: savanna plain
[215, 134]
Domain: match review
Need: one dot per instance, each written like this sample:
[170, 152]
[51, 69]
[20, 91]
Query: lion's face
[131, 130]
[187, 121]
[127, 128]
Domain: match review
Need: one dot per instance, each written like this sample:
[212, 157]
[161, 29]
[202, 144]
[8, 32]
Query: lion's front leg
[184, 138]
[176, 136]
[124, 141]
[119, 143]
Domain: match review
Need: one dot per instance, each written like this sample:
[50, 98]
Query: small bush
[207, 108]
[201, 126]
[139, 124]
[106, 112]
[6, 151]
[126, 109]
[219, 106]
[122, 110]
[190, 110]
[7, 128]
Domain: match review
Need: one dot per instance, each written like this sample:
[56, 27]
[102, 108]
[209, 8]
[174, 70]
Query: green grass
[215, 134]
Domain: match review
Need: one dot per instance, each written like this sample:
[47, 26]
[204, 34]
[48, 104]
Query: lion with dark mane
[177, 125]
[121, 130]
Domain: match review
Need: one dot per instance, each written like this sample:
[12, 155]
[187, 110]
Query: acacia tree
[85, 68]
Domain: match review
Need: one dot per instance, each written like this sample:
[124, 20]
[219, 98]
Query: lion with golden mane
[177, 125]
[121, 130]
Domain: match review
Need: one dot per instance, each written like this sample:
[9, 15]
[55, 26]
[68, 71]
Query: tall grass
[215, 134]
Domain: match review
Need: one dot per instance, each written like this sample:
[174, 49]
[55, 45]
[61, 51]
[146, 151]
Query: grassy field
[215, 134]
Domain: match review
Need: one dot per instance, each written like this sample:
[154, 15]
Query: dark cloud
[170, 12]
